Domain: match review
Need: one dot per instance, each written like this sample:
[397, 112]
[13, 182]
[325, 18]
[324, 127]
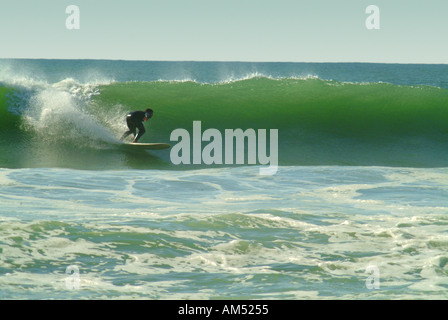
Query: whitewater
[361, 183]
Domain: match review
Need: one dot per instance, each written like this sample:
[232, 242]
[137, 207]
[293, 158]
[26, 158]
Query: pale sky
[411, 31]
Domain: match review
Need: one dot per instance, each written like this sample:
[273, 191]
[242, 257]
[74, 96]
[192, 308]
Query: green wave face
[319, 122]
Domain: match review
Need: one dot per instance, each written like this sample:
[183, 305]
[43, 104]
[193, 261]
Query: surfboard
[145, 146]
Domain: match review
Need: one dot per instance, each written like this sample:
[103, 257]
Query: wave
[319, 122]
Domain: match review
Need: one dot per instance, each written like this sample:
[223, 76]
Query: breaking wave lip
[258, 75]
[228, 80]
[30, 80]
[23, 82]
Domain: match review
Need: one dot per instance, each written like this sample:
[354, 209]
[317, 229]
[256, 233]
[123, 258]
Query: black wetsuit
[134, 121]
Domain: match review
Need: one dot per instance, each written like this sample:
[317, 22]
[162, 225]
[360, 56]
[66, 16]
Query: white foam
[58, 114]
[57, 111]
[258, 75]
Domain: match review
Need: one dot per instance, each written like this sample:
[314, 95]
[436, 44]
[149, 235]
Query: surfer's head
[149, 113]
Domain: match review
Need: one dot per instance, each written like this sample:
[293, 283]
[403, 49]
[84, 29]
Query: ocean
[357, 208]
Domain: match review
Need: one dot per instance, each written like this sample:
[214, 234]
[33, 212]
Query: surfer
[135, 120]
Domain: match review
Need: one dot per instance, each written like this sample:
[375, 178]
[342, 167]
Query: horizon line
[224, 61]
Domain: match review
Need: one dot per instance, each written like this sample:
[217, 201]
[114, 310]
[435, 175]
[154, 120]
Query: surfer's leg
[132, 128]
[141, 131]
